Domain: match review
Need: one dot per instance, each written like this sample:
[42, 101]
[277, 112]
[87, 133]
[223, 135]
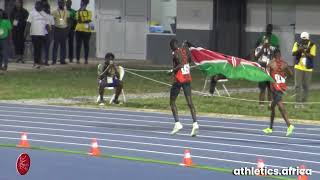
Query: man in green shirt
[72, 26]
[5, 30]
[272, 39]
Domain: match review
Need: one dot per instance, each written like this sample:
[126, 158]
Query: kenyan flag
[213, 63]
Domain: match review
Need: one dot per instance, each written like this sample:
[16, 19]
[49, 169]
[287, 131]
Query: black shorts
[175, 89]
[277, 96]
[264, 85]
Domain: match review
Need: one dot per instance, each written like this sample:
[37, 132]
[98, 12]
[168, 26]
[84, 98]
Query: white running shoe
[177, 127]
[195, 129]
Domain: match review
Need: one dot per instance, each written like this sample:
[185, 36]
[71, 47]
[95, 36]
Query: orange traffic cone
[24, 141]
[187, 161]
[95, 151]
[260, 166]
[303, 177]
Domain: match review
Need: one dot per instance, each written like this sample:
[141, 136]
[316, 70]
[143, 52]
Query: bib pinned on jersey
[183, 75]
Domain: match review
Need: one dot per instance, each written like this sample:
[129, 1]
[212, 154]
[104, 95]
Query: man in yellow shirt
[83, 30]
[304, 52]
[61, 23]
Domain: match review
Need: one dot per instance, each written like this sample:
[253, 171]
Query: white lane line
[201, 118]
[154, 152]
[105, 122]
[166, 145]
[165, 133]
[211, 137]
[144, 121]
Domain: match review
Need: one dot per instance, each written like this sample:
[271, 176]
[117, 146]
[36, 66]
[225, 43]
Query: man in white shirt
[38, 27]
[264, 54]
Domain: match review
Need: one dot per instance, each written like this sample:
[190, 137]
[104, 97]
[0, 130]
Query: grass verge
[75, 81]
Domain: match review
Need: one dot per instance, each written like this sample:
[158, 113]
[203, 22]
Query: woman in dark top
[18, 18]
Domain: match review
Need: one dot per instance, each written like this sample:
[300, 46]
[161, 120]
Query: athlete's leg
[174, 92]
[272, 116]
[285, 117]
[269, 94]
[187, 93]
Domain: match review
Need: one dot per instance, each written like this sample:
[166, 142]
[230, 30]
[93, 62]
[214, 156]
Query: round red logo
[23, 164]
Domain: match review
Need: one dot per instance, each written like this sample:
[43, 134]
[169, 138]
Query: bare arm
[179, 66]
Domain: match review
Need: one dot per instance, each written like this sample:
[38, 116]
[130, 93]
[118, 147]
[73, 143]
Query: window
[163, 16]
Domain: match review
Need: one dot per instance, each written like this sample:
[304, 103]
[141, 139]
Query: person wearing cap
[304, 52]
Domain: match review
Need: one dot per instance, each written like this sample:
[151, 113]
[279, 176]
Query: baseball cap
[304, 35]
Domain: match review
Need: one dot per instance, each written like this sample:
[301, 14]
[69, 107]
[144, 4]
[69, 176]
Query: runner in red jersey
[181, 58]
[278, 70]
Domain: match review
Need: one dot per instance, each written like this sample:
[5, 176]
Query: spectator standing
[264, 54]
[5, 30]
[38, 27]
[49, 32]
[72, 26]
[83, 30]
[304, 52]
[61, 16]
[18, 17]
[272, 38]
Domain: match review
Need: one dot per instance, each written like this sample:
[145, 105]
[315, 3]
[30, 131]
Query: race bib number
[109, 80]
[86, 26]
[15, 22]
[186, 69]
[279, 79]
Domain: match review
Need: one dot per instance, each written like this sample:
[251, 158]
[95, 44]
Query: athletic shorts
[176, 87]
[115, 83]
[277, 96]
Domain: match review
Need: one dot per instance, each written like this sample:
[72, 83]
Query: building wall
[2, 4]
[283, 13]
[194, 21]
[164, 11]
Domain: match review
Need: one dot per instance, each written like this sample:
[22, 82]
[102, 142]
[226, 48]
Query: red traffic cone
[260, 166]
[303, 177]
[187, 161]
[24, 141]
[94, 151]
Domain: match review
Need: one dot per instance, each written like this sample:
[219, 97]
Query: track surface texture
[139, 145]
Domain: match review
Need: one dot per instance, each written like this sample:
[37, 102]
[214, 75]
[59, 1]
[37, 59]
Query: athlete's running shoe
[177, 127]
[290, 130]
[267, 130]
[195, 129]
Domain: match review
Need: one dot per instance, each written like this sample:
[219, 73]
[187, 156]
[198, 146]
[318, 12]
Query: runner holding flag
[278, 70]
[182, 79]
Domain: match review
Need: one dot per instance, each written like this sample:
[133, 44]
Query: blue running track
[221, 143]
